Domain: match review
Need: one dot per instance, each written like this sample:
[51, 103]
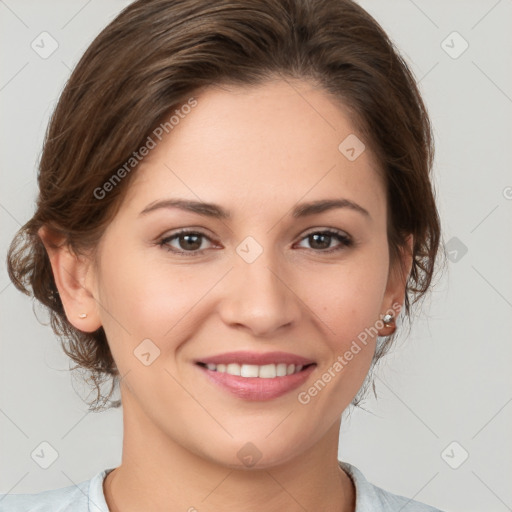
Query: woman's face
[257, 280]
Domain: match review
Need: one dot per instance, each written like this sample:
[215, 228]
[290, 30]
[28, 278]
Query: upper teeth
[267, 371]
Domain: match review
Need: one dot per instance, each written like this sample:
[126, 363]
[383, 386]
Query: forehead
[282, 140]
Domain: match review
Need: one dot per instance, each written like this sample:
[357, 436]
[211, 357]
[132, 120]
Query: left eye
[324, 239]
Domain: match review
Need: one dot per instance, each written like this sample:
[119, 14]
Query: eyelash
[340, 236]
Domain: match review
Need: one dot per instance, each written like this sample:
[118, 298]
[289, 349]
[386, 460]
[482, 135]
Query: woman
[235, 206]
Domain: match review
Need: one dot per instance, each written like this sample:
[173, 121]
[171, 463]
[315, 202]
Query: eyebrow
[217, 212]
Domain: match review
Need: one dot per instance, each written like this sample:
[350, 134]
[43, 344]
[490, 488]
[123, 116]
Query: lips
[260, 359]
[257, 388]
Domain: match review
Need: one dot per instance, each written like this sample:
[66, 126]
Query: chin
[259, 455]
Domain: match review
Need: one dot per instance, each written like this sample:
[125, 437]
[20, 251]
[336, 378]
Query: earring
[387, 319]
[82, 315]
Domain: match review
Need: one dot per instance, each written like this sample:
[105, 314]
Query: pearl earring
[387, 319]
[82, 315]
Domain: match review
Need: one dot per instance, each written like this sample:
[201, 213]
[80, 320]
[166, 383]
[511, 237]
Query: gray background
[449, 381]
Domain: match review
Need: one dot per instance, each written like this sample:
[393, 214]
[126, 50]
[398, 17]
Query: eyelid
[185, 231]
[164, 240]
[326, 229]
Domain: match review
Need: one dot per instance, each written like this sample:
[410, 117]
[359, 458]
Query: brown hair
[157, 53]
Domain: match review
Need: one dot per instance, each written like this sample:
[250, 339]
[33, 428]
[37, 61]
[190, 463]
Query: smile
[267, 371]
[252, 375]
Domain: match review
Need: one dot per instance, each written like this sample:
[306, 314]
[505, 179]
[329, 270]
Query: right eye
[190, 242]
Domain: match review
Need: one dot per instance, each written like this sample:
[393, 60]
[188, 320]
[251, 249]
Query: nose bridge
[259, 297]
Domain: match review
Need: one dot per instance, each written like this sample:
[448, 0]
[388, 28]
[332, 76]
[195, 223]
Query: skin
[256, 152]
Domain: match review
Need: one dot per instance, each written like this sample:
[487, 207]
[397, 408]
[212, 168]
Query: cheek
[346, 298]
[348, 304]
[142, 297]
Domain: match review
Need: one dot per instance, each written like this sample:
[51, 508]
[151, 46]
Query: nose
[259, 297]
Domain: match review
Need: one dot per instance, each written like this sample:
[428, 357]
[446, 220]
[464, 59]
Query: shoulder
[370, 498]
[86, 496]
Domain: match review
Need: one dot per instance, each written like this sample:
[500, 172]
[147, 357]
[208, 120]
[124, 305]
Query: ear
[70, 272]
[394, 295]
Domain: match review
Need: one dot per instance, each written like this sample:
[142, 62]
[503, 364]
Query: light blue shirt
[88, 497]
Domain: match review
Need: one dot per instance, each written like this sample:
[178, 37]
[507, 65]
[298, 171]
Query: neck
[159, 474]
